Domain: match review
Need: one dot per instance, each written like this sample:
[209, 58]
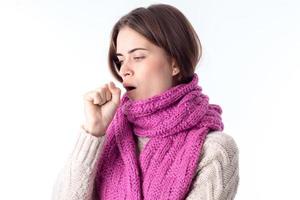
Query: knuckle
[100, 90]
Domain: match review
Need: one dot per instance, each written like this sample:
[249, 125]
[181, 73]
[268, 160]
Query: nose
[126, 70]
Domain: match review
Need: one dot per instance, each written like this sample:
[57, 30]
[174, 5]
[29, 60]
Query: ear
[175, 68]
[175, 71]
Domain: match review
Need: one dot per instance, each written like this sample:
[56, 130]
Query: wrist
[91, 131]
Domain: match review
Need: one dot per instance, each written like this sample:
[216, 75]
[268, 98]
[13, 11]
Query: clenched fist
[100, 106]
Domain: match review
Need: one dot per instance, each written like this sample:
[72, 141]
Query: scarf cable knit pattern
[176, 123]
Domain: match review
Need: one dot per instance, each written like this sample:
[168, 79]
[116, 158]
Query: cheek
[156, 78]
[157, 67]
[154, 74]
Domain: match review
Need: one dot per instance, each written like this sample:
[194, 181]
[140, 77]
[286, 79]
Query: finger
[88, 96]
[116, 92]
[108, 95]
[97, 98]
[103, 93]
[94, 97]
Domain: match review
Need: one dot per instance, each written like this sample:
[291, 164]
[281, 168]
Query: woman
[161, 139]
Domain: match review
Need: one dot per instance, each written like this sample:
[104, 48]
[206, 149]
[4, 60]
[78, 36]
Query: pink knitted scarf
[177, 122]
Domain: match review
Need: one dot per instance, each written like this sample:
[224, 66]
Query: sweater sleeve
[217, 175]
[75, 181]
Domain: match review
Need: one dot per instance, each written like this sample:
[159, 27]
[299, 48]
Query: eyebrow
[132, 50]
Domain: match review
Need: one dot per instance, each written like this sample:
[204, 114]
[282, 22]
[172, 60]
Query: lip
[128, 87]
[130, 91]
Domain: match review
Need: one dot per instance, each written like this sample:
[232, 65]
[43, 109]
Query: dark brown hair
[166, 27]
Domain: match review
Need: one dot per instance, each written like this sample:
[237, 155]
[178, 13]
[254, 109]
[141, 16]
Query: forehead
[128, 39]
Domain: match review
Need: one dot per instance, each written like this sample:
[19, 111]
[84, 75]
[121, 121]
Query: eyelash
[139, 57]
[120, 62]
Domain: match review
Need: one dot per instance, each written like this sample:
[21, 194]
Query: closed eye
[119, 62]
[139, 57]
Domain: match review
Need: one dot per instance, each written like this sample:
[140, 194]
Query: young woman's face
[144, 65]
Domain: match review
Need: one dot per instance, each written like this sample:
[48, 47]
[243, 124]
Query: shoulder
[218, 146]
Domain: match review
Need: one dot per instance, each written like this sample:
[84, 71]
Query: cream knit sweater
[217, 175]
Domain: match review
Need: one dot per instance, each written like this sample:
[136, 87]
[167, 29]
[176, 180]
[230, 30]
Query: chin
[132, 97]
[135, 97]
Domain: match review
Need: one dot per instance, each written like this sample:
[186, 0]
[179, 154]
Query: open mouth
[129, 88]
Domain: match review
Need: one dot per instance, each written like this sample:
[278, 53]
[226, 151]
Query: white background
[52, 52]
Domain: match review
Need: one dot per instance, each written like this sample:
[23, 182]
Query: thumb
[116, 92]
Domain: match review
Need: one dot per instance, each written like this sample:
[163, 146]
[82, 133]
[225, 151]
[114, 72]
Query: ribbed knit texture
[177, 122]
[217, 174]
